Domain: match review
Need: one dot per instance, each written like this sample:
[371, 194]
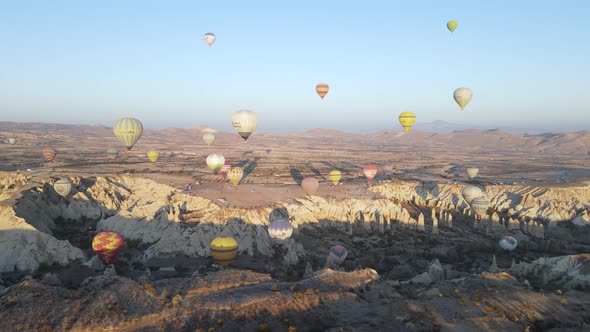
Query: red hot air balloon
[49, 154]
[370, 171]
[224, 169]
[107, 245]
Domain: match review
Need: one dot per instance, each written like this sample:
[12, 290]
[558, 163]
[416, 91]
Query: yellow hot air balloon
[244, 123]
[452, 25]
[310, 186]
[463, 96]
[153, 155]
[224, 250]
[335, 176]
[407, 120]
[472, 172]
[322, 89]
[128, 130]
[235, 175]
[208, 138]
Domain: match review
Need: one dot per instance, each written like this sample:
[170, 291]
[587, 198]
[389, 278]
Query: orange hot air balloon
[310, 186]
[49, 154]
[322, 89]
[107, 245]
[370, 171]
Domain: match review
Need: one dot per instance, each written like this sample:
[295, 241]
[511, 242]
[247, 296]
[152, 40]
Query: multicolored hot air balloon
[225, 169]
[49, 154]
[370, 171]
[244, 123]
[153, 155]
[472, 172]
[471, 192]
[335, 176]
[235, 175]
[215, 161]
[407, 120]
[322, 89]
[280, 229]
[113, 153]
[310, 185]
[452, 25]
[224, 250]
[12, 141]
[107, 245]
[63, 187]
[462, 96]
[128, 130]
[208, 138]
[508, 243]
[209, 38]
[337, 254]
[480, 206]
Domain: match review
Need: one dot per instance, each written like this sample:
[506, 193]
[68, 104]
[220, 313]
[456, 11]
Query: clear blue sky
[88, 62]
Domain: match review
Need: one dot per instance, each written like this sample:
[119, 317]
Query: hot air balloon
[63, 187]
[224, 250]
[337, 254]
[209, 38]
[452, 25]
[12, 141]
[215, 161]
[370, 171]
[225, 169]
[508, 243]
[209, 138]
[472, 172]
[407, 120]
[322, 89]
[128, 130]
[153, 155]
[480, 206]
[471, 192]
[113, 153]
[49, 154]
[107, 245]
[310, 186]
[280, 229]
[335, 176]
[244, 123]
[462, 96]
[235, 175]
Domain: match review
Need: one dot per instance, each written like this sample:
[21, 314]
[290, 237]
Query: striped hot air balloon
[337, 254]
[63, 187]
[310, 185]
[322, 89]
[370, 171]
[407, 120]
[480, 206]
[153, 155]
[128, 130]
[280, 229]
[225, 169]
[244, 123]
[224, 250]
[107, 245]
[335, 176]
[49, 154]
[235, 175]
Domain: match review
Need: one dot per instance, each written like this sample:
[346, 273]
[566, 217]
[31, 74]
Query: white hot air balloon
[480, 206]
[244, 123]
[472, 172]
[209, 38]
[471, 192]
[463, 96]
[508, 243]
[63, 187]
[12, 141]
[215, 161]
[208, 138]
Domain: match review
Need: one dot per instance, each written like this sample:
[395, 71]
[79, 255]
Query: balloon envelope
[452, 25]
[225, 169]
[49, 154]
[462, 96]
[508, 243]
[370, 171]
[407, 120]
[209, 38]
[224, 250]
[471, 192]
[480, 205]
[107, 245]
[235, 175]
[280, 229]
[12, 141]
[244, 123]
[128, 130]
[322, 89]
[338, 254]
[113, 153]
[335, 176]
[209, 138]
[153, 155]
[310, 185]
[472, 172]
[63, 187]
[215, 161]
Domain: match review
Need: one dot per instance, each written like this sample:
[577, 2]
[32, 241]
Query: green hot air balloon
[452, 25]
